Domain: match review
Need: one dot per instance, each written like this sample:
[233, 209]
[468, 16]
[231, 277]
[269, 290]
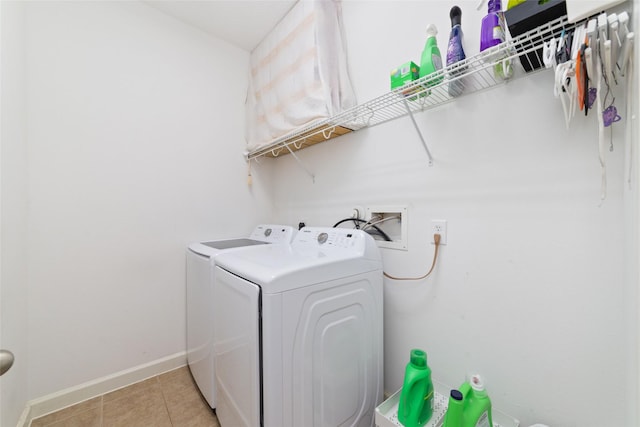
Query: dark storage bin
[527, 16]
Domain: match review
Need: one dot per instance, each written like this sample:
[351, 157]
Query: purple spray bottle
[492, 30]
[455, 51]
[492, 33]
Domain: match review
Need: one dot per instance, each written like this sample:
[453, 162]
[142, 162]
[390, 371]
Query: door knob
[6, 361]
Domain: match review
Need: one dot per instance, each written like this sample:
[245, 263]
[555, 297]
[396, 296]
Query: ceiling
[243, 23]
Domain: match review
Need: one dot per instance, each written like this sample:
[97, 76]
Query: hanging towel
[298, 73]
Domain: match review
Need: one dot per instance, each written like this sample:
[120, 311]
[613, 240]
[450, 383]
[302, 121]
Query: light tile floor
[168, 400]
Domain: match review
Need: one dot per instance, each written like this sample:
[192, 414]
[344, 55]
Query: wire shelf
[480, 72]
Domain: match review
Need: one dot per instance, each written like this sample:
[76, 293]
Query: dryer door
[236, 350]
[332, 352]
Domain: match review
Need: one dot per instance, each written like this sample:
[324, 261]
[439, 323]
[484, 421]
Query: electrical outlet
[439, 226]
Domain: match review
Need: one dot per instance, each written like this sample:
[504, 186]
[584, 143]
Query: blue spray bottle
[455, 50]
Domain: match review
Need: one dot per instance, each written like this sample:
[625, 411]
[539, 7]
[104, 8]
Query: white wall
[135, 138]
[135, 149]
[13, 200]
[530, 290]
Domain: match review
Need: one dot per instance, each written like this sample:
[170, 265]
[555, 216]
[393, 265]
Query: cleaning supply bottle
[431, 61]
[455, 411]
[455, 50]
[492, 30]
[514, 3]
[477, 405]
[416, 398]
[492, 33]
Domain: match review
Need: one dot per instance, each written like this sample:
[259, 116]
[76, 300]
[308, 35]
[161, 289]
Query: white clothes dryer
[298, 332]
[200, 258]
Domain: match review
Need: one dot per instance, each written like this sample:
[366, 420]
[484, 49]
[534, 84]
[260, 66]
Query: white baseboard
[73, 395]
[25, 417]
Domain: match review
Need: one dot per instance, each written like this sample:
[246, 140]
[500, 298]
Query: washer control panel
[273, 233]
[329, 238]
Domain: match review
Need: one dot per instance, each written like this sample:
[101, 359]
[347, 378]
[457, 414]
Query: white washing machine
[200, 258]
[298, 332]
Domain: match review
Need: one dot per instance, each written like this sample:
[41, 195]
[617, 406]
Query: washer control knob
[267, 232]
[322, 238]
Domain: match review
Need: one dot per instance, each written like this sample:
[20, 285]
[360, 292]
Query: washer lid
[232, 243]
[262, 234]
[316, 255]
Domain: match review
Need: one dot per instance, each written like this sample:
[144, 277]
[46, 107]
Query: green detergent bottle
[455, 410]
[416, 398]
[477, 405]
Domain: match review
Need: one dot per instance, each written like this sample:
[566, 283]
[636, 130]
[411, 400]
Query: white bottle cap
[476, 383]
[432, 30]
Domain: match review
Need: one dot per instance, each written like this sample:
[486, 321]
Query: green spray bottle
[431, 60]
[416, 398]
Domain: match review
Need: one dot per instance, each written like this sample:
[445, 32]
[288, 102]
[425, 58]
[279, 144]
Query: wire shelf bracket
[301, 164]
[413, 120]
